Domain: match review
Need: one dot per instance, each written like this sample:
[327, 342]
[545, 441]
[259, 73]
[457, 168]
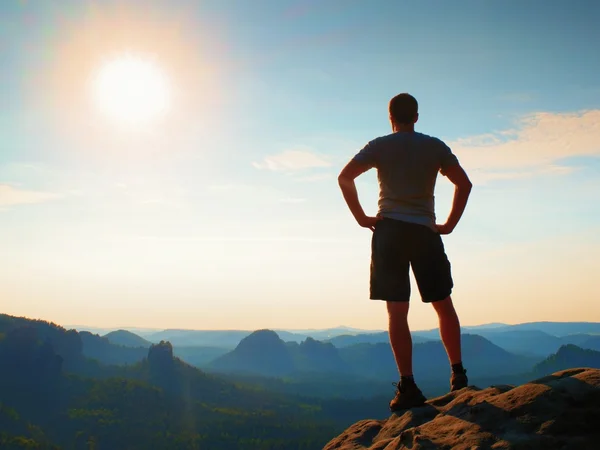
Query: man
[405, 234]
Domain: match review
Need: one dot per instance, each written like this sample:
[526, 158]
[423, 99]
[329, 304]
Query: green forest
[53, 397]
[64, 389]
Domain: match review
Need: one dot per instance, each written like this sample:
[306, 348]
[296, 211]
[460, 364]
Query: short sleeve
[447, 159]
[368, 155]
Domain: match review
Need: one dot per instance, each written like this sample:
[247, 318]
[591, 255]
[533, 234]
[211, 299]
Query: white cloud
[293, 159]
[10, 196]
[539, 144]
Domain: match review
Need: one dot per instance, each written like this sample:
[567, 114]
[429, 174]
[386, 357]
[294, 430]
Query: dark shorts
[395, 247]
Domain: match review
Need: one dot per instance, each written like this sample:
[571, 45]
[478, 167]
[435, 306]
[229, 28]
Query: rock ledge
[560, 411]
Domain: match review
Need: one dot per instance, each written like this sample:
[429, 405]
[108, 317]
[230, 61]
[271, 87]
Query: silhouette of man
[405, 234]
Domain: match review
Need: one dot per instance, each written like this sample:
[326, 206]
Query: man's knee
[444, 307]
[398, 309]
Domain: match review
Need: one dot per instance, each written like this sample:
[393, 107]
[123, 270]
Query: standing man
[405, 234]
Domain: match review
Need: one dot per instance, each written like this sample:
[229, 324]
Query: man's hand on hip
[369, 222]
[444, 228]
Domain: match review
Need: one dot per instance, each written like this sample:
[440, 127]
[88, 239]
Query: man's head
[404, 110]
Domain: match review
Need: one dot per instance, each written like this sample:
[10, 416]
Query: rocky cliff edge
[560, 411]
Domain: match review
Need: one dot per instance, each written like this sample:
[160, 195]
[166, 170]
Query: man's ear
[417, 118]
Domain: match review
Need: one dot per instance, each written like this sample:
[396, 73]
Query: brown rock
[558, 412]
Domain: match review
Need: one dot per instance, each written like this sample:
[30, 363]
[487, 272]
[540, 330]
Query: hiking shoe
[407, 397]
[458, 380]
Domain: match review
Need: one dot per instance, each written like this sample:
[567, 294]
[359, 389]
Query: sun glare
[131, 89]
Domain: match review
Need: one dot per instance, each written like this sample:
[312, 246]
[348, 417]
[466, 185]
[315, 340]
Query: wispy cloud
[11, 196]
[539, 144]
[291, 160]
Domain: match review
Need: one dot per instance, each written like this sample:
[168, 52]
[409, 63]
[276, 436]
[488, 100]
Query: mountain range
[52, 396]
[532, 338]
[60, 386]
[492, 353]
[264, 353]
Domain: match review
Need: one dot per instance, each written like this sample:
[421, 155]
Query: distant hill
[82, 352]
[345, 340]
[536, 339]
[103, 350]
[592, 343]
[199, 356]
[127, 339]
[566, 357]
[321, 335]
[481, 357]
[527, 342]
[485, 326]
[578, 339]
[231, 338]
[316, 356]
[262, 352]
[205, 338]
[560, 328]
[533, 342]
[66, 344]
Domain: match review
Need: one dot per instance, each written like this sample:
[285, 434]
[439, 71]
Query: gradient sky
[225, 212]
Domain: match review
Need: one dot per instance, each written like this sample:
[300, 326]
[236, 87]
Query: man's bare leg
[400, 338]
[450, 334]
[408, 395]
[449, 329]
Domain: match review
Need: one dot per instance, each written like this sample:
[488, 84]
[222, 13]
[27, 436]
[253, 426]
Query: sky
[204, 194]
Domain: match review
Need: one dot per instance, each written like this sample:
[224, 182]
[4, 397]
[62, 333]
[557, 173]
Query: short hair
[403, 108]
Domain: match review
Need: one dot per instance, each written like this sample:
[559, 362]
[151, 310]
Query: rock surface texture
[560, 411]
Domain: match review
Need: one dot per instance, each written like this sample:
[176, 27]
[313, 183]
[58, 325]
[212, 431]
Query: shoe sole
[418, 405]
[458, 388]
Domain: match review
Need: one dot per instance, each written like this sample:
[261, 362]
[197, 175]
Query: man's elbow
[343, 180]
[465, 186]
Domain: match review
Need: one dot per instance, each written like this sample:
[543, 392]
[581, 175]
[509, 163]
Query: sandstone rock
[557, 412]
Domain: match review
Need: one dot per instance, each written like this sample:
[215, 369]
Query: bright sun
[131, 89]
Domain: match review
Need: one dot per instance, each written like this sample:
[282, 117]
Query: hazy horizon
[133, 329]
[174, 166]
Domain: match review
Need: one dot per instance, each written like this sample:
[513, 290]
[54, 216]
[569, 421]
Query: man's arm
[462, 189]
[346, 181]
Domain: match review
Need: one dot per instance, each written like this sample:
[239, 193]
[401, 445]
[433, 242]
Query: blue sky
[225, 212]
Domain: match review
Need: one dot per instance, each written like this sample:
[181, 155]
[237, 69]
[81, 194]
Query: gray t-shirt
[407, 165]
